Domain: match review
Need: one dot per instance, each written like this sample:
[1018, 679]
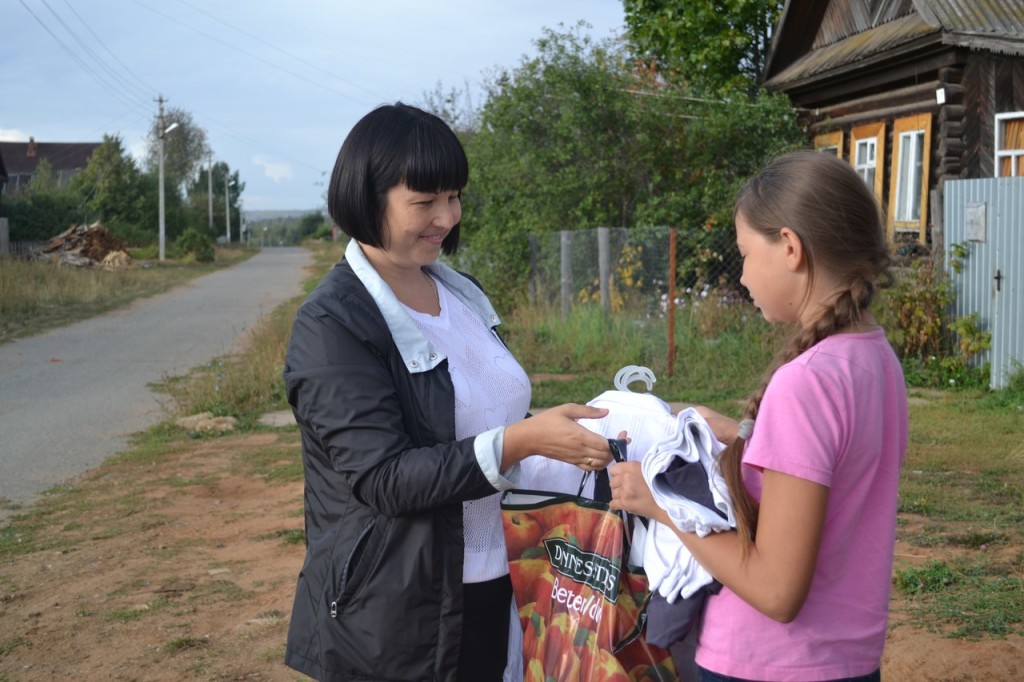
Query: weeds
[182, 643]
[288, 536]
[968, 598]
[961, 494]
[39, 295]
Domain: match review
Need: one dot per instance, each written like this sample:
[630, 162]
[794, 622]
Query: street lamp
[163, 133]
[227, 207]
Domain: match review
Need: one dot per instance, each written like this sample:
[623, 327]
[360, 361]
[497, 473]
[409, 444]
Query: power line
[117, 78]
[282, 51]
[253, 56]
[99, 79]
[145, 85]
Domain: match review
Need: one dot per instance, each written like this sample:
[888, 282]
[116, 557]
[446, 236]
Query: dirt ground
[183, 567]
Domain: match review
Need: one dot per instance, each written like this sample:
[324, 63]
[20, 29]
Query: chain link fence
[631, 270]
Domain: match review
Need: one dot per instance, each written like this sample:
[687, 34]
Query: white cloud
[275, 170]
[12, 135]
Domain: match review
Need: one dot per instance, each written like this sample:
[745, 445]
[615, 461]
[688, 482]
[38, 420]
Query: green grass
[287, 536]
[961, 492]
[969, 598]
[720, 350]
[182, 643]
[38, 295]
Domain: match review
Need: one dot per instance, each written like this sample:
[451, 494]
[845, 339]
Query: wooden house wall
[976, 86]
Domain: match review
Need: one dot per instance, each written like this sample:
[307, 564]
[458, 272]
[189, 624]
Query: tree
[713, 43]
[559, 146]
[113, 189]
[199, 200]
[185, 147]
[455, 107]
[585, 135]
[42, 208]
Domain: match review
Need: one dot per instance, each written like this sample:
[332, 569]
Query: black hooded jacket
[379, 596]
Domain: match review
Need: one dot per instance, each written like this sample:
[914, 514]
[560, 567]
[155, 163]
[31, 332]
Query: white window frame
[909, 176]
[867, 134]
[1015, 155]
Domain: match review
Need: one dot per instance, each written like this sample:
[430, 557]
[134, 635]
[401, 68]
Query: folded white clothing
[671, 569]
[692, 441]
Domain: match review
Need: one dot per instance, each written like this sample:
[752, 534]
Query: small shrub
[913, 311]
[195, 245]
[935, 577]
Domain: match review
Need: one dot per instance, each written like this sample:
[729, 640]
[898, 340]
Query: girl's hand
[631, 493]
[724, 428]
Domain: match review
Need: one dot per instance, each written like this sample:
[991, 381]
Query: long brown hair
[839, 222]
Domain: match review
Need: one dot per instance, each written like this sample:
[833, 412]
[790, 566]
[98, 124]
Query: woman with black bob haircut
[412, 414]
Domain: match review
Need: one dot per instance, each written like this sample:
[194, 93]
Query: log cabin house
[910, 92]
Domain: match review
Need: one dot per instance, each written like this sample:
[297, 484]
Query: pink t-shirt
[835, 415]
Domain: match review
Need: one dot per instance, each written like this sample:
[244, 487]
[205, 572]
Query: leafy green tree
[42, 208]
[116, 193]
[585, 135]
[185, 147]
[713, 43]
[455, 107]
[308, 226]
[559, 147]
[198, 203]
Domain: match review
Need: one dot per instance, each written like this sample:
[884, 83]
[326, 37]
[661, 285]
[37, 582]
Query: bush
[936, 351]
[913, 311]
[195, 244]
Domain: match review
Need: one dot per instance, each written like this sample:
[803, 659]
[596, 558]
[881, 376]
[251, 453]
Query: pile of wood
[86, 246]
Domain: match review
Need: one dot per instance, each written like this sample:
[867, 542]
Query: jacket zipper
[348, 564]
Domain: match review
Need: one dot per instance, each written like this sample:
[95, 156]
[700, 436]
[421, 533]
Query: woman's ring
[590, 461]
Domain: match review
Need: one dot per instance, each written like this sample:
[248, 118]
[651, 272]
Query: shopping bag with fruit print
[581, 604]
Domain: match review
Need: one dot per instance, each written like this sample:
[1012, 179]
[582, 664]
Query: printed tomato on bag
[581, 607]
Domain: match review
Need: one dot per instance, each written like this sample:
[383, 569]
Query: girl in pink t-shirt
[813, 467]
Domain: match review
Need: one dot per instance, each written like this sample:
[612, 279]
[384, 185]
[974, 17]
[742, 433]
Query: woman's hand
[554, 433]
[724, 428]
[631, 493]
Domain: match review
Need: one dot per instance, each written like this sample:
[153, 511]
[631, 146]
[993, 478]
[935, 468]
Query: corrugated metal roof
[1003, 18]
[957, 22]
[855, 48]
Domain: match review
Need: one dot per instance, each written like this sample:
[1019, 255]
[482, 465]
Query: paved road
[71, 397]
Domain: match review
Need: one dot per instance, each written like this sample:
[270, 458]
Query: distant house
[910, 92]
[20, 160]
[3, 174]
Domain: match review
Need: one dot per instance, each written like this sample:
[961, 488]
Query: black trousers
[483, 652]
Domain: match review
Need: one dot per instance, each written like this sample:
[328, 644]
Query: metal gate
[984, 222]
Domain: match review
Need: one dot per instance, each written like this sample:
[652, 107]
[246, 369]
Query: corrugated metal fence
[984, 229]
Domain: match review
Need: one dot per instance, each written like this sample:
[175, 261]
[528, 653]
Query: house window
[830, 143]
[908, 178]
[1010, 145]
[908, 188]
[867, 149]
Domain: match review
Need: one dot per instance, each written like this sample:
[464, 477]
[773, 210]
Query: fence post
[671, 300]
[604, 268]
[533, 286]
[566, 253]
[5, 237]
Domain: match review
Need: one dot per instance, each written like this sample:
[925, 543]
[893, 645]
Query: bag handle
[602, 483]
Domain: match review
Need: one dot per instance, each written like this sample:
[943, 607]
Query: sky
[275, 85]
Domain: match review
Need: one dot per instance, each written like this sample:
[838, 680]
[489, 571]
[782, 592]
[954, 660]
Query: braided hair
[839, 222]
